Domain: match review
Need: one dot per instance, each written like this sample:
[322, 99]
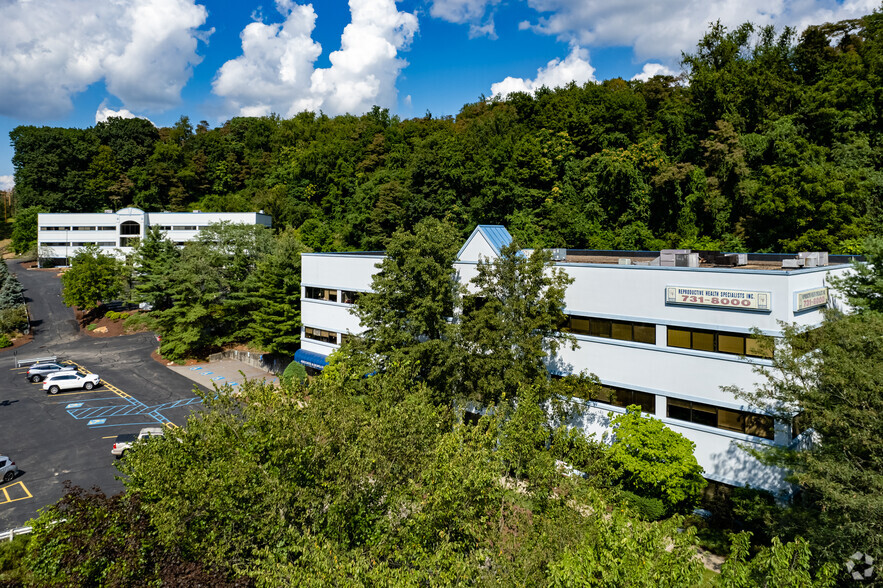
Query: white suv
[70, 380]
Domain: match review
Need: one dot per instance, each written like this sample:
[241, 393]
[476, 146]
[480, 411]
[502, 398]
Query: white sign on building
[718, 298]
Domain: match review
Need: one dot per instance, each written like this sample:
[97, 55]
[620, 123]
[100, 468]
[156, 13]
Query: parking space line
[9, 499]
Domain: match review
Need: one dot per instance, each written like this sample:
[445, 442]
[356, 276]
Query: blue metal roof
[496, 235]
[311, 359]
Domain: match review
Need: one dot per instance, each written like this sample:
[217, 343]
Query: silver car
[38, 371]
[8, 468]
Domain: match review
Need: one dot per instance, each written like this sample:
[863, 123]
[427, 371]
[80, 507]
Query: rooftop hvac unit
[625, 261]
[668, 257]
[810, 258]
[559, 254]
[792, 263]
[814, 258]
[686, 260]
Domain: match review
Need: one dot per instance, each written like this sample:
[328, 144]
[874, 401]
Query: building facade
[60, 235]
[666, 337]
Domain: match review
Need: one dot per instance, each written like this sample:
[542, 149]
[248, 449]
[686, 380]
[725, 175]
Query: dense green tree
[510, 323]
[407, 314]
[94, 277]
[832, 376]
[652, 460]
[24, 231]
[153, 261]
[275, 293]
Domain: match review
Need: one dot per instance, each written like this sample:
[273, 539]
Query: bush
[12, 571]
[116, 316]
[649, 509]
[5, 341]
[139, 321]
[294, 373]
[13, 319]
[92, 327]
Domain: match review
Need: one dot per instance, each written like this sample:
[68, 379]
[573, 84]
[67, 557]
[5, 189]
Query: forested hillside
[769, 141]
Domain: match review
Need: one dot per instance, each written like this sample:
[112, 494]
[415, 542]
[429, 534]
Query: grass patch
[92, 327]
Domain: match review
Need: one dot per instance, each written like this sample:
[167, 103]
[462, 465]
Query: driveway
[69, 436]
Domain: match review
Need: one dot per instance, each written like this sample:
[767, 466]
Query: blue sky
[72, 62]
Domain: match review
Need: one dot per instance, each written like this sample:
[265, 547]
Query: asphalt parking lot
[69, 436]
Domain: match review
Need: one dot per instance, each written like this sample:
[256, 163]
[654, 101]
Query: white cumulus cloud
[653, 69]
[662, 29]
[557, 73]
[104, 112]
[144, 50]
[467, 11]
[276, 71]
[7, 182]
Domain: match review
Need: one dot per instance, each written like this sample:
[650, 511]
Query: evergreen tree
[275, 322]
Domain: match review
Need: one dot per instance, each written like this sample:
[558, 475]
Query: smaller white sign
[807, 299]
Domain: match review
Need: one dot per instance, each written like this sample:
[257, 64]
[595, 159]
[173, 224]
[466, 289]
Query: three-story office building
[666, 332]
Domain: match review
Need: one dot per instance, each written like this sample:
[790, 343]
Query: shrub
[92, 327]
[652, 460]
[5, 341]
[12, 571]
[649, 509]
[13, 319]
[294, 372]
[116, 316]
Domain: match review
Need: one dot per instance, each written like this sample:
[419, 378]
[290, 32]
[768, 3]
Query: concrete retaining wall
[264, 361]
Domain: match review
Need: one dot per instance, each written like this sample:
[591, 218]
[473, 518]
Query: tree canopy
[769, 141]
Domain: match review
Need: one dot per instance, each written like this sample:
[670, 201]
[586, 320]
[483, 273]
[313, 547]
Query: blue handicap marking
[193, 369]
[74, 405]
[207, 373]
[95, 422]
[234, 383]
[216, 378]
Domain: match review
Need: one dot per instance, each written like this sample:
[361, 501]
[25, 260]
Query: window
[55, 228]
[106, 228]
[320, 335]
[82, 243]
[184, 228]
[55, 244]
[130, 228]
[165, 227]
[129, 241]
[106, 243]
[748, 423]
[349, 296]
[611, 329]
[320, 294]
[623, 397]
[347, 337]
[733, 343]
[83, 228]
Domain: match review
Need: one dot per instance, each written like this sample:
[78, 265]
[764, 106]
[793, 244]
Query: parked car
[8, 468]
[38, 371]
[70, 380]
[124, 441]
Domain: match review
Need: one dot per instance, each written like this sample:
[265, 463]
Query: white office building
[662, 330]
[60, 235]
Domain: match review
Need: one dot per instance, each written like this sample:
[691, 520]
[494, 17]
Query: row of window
[320, 335]
[80, 244]
[179, 228]
[329, 295]
[748, 423]
[718, 341]
[99, 228]
[700, 339]
[611, 329]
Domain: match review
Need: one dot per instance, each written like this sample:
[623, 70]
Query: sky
[72, 63]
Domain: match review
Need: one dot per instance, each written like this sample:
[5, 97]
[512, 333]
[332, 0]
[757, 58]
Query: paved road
[69, 436]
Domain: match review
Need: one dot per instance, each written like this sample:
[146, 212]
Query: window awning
[310, 359]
